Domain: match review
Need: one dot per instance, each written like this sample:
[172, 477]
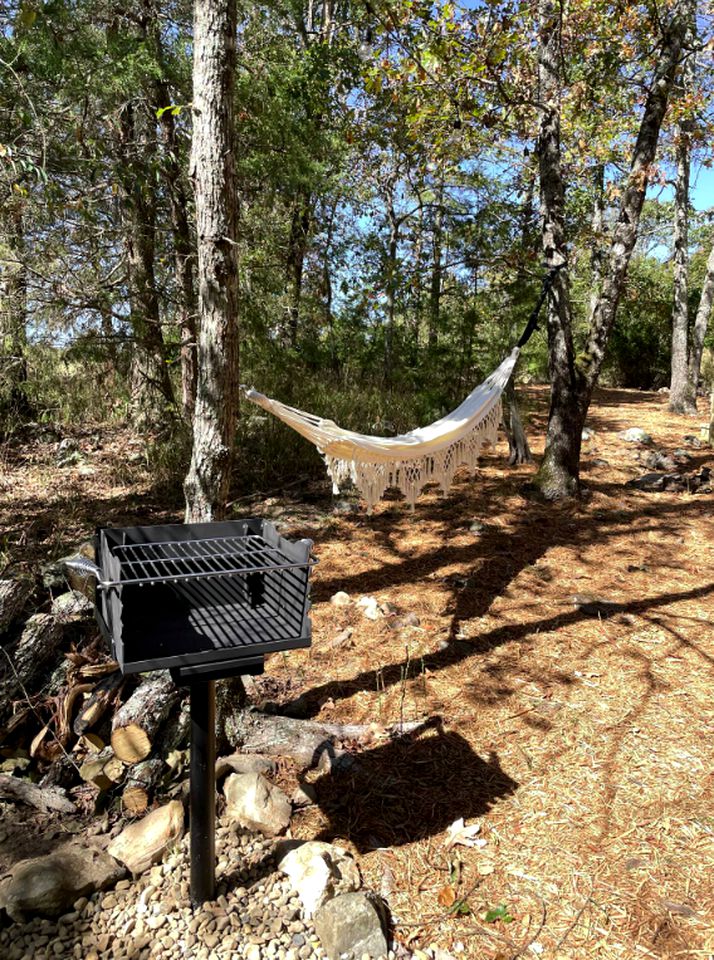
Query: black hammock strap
[535, 313]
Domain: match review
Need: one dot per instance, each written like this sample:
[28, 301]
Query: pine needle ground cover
[560, 659]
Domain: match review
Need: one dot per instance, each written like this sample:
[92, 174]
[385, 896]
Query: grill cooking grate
[173, 560]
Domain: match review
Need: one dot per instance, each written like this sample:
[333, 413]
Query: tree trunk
[597, 254]
[391, 288]
[573, 380]
[681, 398]
[159, 95]
[297, 247]
[699, 331]
[559, 471]
[518, 449]
[13, 318]
[184, 257]
[213, 172]
[436, 270]
[152, 392]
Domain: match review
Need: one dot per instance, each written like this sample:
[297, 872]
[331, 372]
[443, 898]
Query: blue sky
[703, 188]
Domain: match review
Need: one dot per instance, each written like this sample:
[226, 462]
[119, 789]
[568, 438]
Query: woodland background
[389, 223]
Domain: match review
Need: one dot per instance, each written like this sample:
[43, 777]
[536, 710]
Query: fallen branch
[42, 798]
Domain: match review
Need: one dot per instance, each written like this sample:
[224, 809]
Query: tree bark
[213, 173]
[558, 475]
[295, 264]
[136, 724]
[184, 257]
[25, 666]
[13, 318]
[47, 798]
[151, 389]
[681, 398]
[518, 449]
[573, 379]
[391, 277]
[436, 269]
[14, 595]
[701, 322]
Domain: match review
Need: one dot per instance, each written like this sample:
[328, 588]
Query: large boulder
[257, 804]
[318, 871]
[144, 842]
[350, 927]
[49, 885]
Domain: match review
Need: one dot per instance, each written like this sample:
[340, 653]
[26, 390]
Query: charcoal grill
[203, 600]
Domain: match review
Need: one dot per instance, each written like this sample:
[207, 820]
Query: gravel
[256, 914]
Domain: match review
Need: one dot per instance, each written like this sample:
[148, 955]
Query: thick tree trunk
[573, 380]
[681, 399]
[558, 475]
[152, 392]
[213, 172]
[701, 322]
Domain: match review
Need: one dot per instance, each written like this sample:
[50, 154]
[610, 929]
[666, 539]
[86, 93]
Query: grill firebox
[203, 600]
[197, 598]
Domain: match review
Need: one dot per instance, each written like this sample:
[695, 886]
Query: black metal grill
[205, 600]
[196, 598]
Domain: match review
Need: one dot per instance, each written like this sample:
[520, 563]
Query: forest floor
[578, 734]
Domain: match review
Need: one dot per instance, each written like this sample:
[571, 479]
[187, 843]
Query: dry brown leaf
[447, 896]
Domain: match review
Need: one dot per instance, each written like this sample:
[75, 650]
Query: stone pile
[257, 913]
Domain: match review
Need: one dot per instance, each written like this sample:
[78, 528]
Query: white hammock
[428, 455]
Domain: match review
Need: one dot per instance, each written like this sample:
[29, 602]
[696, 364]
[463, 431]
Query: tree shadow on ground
[492, 562]
[409, 789]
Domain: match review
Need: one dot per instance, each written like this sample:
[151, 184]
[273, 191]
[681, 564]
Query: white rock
[340, 599]
[636, 435]
[318, 871]
[370, 608]
[256, 803]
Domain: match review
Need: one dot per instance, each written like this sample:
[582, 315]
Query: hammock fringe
[410, 476]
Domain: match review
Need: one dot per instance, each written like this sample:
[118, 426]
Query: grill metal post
[203, 791]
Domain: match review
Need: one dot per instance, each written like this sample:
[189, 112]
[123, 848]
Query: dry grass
[583, 745]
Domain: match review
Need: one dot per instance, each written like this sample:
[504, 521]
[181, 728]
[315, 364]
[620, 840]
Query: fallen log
[23, 668]
[304, 740]
[138, 721]
[45, 799]
[13, 597]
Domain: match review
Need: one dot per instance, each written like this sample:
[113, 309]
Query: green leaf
[498, 913]
[27, 17]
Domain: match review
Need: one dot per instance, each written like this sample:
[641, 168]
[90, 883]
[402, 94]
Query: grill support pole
[203, 791]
